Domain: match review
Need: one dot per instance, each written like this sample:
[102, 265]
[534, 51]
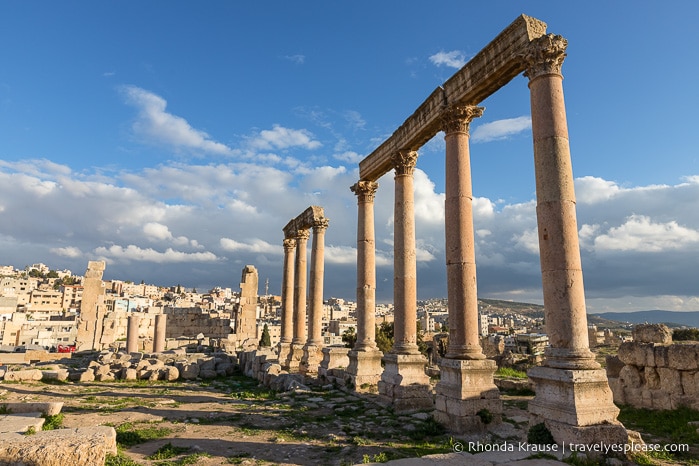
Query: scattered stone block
[652, 333]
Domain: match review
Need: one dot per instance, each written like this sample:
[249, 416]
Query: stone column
[299, 300]
[159, 333]
[403, 382]
[569, 367]
[312, 352]
[90, 322]
[132, 333]
[364, 368]
[466, 384]
[287, 332]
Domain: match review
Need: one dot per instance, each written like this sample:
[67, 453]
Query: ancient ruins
[297, 351]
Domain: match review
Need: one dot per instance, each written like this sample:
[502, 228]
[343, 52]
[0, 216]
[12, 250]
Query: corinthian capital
[320, 225]
[457, 118]
[289, 244]
[545, 56]
[404, 162]
[302, 235]
[365, 190]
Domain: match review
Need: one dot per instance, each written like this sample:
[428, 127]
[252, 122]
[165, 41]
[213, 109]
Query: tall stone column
[287, 331]
[299, 338]
[312, 351]
[159, 333]
[90, 322]
[364, 368]
[466, 383]
[569, 367]
[132, 333]
[403, 381]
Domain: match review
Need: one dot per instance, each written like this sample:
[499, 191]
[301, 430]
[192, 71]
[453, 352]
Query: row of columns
[298, 350]
[466, 384]
[158, 333]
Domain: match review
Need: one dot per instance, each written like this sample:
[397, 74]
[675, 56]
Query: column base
[576, 405]
[404, 383]
[293, 361]
[364, 370]
[284, 355]
[467, 399]
[334, 357]
[311, 359]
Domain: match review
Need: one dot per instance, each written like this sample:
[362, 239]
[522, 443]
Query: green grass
[53, 421]
[129, 434]
[168, 451]
[119, 459]
[509, 372]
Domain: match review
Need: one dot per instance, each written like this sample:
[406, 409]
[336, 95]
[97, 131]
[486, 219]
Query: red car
[66, 348]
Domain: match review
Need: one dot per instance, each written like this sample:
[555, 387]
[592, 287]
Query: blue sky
[175, 139]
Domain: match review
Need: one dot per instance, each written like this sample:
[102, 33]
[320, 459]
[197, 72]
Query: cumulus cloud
[255, 245]
[156, 126]
[280, 137]
[159, 232]
[500, 129]
[452, 59]
[136, 253]
[639, 233]
[68, 251]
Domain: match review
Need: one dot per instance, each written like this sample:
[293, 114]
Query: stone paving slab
[49, 408]
[20, 423]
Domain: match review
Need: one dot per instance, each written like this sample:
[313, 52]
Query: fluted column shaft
[404, 265]
[561, 269]
[288, 291]
[316, 285]
[460, 241]
[300, 288]
[366, 266]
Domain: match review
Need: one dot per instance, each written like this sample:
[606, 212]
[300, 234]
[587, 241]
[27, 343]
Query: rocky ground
[233, 421]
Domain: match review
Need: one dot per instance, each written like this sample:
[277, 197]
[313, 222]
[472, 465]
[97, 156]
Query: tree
[384, 336]
[266, 340]
[349, 337]
[685, 334]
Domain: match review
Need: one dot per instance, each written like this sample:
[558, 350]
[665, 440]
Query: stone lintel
[573, 397]
[304, 221]
[493, 67]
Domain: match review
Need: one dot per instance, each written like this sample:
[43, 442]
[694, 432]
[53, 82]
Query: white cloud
[297, 58]
[282, 138]
[639, 233]
[68, 251]
[349, 157]
[136, 253]
[155, 125]
[453, 59]
[500, 129]
[255, 245]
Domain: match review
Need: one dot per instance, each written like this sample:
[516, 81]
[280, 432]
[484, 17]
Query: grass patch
[168, 451]
[52, 421]
[510, 372]
[5, 410]
[30, 431]
[129, 434]
[672, 425]
[119, 459]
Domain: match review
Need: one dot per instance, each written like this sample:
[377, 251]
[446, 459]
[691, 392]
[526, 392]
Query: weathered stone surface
[48, 408]
[86, 446]
[652, 333]
[189, 371]
[614, 366]
[23, 375]
[683, 357]
[87, 376]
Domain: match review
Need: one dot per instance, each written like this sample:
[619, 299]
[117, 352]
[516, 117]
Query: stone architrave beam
[497, 64]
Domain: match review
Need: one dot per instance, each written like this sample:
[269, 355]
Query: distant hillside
[690, 319]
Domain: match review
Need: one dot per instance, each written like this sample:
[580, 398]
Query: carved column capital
[289, 244]
[302, 235]
[545, 56]
[320, 225]
[457, 118]
[365, 190]
[404, 162]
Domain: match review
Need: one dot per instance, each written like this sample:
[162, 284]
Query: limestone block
[23, 375]
[87, 446]
[651, 376]
[208, 364]
[3, 369]
[633, 396]
[170, 373]
[189, 371]
[660, 399]
[683, 357]
[129, 374]
[59, 375]
[630, 377]
[87, 376]
[670, 381]
[225, 369]
[50, 408]
[101, 371]
[207, 374]
[652, 333]
[614, 365]
[661, 357]
[108, 377]
[617, 390]
[626, 353]
[689, 383]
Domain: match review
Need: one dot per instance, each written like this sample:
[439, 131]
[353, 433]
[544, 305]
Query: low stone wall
[653, 372]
